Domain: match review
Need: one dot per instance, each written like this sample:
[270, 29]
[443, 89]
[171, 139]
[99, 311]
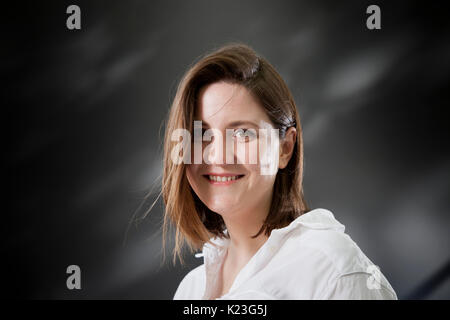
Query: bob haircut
[234, 63]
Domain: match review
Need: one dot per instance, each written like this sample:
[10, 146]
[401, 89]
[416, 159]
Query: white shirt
[311, 258]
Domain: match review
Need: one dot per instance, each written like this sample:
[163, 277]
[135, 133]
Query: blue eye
[243, 135]
[239, 133]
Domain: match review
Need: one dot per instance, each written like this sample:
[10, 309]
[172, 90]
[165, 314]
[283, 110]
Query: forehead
[223, 102]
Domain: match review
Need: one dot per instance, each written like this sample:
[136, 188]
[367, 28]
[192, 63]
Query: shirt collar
[215, 249]
[319, 219]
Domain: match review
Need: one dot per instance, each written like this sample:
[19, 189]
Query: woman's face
[230, 188]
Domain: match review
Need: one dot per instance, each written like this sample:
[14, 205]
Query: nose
[216, 152]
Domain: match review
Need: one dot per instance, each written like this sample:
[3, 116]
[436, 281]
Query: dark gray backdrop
[84, 111]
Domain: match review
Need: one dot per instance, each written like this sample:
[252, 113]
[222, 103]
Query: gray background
[84, 132]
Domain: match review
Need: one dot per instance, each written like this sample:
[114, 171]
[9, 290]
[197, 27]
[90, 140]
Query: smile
[222, 179]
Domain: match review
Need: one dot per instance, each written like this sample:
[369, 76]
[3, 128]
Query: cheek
[259, 183]
[247, 153]
[192, 176]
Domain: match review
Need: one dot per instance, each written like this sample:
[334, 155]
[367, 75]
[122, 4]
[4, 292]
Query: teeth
[222, 179]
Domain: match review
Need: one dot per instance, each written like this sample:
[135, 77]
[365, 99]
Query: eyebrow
[235, 123]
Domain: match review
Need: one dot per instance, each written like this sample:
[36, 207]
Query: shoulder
[345, 272]
[319, 231]
[336, 246]
[192, 286]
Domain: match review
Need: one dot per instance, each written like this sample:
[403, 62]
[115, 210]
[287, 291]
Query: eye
[243, 135]
[239, 133]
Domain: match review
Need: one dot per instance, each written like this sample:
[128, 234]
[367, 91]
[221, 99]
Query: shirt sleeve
[358, 286]
[192, 286]
[180, 293]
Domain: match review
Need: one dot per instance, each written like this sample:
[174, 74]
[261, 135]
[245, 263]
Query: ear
[287, 147]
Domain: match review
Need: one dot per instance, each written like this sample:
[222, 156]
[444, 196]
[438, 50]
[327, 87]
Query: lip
[222, 183]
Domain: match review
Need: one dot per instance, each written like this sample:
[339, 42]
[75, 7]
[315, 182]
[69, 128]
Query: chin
[221, 205]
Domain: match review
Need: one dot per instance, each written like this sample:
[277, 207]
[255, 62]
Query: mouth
[222, 179]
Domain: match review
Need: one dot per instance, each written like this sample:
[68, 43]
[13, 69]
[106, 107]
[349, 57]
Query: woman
[259, 239]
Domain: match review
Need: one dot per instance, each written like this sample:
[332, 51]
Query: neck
[241, 229]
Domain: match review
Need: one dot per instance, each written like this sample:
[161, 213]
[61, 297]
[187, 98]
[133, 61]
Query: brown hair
[236, 63]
